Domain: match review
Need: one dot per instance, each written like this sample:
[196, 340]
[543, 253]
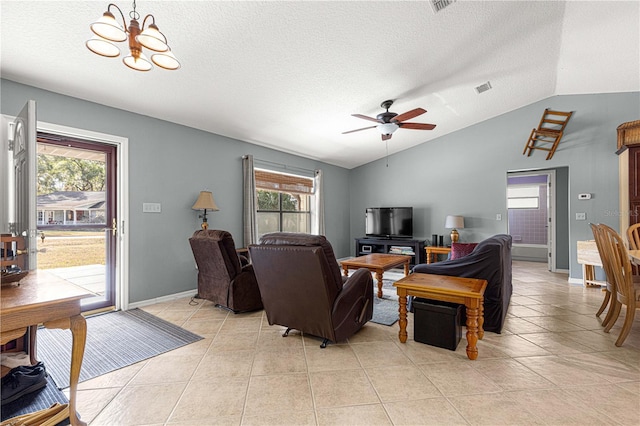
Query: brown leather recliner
[302, 289]
[222, 278]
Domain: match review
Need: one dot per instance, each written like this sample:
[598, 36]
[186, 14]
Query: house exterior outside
[71, 208]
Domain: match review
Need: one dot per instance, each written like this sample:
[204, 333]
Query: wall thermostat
[584, 196]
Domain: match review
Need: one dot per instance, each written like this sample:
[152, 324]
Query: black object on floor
[35, 401]
[437, 323]
[21, 381]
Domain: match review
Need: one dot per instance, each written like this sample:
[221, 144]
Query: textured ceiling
[288, 75]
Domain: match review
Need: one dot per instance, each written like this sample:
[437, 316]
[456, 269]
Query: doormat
[114, 340]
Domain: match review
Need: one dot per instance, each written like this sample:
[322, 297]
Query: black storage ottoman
[437, 323]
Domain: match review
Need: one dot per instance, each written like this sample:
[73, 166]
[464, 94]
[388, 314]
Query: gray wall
[465, 172]
[170, 164]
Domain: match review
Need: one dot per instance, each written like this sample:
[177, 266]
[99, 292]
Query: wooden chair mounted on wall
[549, 131]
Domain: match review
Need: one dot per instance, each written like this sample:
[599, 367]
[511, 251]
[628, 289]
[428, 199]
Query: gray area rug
[114, 340]
[385, 310]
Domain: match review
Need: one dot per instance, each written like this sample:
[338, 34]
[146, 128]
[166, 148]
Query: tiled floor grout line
[175, 406]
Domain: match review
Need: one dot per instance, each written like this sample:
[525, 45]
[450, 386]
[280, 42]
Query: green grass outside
[66, 252]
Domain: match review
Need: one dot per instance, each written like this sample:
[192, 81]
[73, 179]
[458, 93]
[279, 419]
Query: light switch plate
[581, 216]
[151, 208]
[498, 216]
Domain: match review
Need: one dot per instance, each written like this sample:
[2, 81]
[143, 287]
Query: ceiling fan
[389, 122]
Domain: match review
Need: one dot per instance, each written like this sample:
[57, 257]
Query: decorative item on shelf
[453, 222]
[108, 30]
[205, 202]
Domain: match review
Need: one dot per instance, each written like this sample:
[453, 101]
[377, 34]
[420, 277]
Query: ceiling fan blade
[409, 114]
[364, 117]
[357, 130]
[386, 137]
[417, 126]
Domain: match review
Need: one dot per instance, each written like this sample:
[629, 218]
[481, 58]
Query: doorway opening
[530, 207]
[76, 214]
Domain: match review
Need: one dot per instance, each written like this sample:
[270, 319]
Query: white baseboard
[576, 281]
[167, 298]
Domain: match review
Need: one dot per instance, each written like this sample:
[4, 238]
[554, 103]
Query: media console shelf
[413, 248]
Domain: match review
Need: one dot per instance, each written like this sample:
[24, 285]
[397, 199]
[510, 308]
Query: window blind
[281, 182]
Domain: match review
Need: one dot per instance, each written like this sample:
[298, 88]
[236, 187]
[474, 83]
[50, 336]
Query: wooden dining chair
[627, 291]
[609, 290]
[633, 235]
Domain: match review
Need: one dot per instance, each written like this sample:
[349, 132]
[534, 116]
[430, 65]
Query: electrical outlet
[581, 216]
[498, 216]
[151, 208]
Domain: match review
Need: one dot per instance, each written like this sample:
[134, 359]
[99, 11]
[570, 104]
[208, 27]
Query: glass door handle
[114, 227]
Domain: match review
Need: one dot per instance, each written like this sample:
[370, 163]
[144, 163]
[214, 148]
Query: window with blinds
[280, 182]
[283, 202]
[523, 197]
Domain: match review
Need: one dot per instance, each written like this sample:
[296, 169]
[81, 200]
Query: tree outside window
[282, 212]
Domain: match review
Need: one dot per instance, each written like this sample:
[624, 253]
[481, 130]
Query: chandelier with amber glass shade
[108, 31]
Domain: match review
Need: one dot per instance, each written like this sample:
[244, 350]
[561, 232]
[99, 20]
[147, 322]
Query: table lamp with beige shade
[454, 222]
[205, 202]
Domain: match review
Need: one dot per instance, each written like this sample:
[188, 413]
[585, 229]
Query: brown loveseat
[222, 278]
[302, 289]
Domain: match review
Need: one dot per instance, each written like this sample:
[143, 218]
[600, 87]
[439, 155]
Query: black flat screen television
[389, 222]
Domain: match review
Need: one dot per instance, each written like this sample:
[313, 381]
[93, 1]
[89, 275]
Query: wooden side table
[435, 251]
[466, 291]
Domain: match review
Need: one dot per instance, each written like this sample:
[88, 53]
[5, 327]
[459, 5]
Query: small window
[283, 202]
[523, 197]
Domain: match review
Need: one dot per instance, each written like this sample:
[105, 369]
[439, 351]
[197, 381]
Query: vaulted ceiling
[288, 75]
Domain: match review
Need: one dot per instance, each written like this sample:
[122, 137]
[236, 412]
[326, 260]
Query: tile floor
[552, 364]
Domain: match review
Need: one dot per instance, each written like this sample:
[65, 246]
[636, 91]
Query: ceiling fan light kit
[389, 122]
[387, 128]
[108, 30]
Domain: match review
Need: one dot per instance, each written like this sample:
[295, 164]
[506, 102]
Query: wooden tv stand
[370, 245]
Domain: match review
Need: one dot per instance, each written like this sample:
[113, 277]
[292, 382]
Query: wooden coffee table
[467, 291]
[378, 263]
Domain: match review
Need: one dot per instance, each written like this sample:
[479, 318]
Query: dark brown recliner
[222, 279]
[302, 289]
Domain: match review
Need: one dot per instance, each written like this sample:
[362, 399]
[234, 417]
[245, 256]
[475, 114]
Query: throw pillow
[459, 250]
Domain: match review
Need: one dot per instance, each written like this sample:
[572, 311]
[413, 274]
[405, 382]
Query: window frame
[297, 186]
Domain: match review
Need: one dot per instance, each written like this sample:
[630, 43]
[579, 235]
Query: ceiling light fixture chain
[133, 14]
[387, 145]
[108, 30]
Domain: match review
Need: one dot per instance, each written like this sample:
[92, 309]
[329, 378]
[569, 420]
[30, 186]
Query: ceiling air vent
[438, 5]
[483, 87]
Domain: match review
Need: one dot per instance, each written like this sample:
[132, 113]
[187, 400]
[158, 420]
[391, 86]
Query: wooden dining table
[41, 298]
